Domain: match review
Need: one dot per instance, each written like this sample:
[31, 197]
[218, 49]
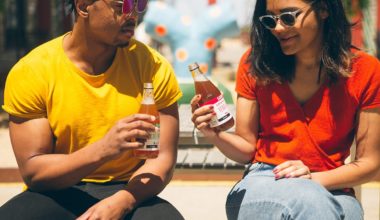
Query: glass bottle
[148, 106]
[210, 95]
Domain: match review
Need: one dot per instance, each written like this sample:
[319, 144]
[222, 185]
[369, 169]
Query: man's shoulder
[45, 51]
[37, 59]
[140, 49]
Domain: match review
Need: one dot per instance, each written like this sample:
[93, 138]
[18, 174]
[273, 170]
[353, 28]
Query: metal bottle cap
[148, 85]
[193, 66]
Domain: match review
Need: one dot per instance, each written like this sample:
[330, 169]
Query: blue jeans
[259, 196]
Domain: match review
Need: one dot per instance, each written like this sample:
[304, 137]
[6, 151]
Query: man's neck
[89, 56]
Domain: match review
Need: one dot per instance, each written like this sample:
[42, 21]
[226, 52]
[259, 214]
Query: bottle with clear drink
[148, 106]
[211, 95]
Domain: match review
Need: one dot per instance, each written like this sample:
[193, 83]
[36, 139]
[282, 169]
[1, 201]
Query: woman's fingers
[202, 114]
[292, 169]
[194, 102]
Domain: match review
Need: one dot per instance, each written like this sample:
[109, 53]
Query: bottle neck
[148, 96]
[198, 75]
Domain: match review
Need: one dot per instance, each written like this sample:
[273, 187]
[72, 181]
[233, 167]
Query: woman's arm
[240, 146]
[367, 158]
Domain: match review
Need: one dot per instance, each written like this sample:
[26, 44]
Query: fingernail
[276, 176]
[275, 170]
[288, 175]
[211, 107]
[213, 113]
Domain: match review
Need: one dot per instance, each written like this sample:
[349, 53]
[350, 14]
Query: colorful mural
[191, 39]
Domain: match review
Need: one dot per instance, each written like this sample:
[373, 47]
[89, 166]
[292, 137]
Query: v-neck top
[321, 131]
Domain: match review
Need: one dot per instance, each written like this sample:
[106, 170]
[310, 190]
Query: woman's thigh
[260, 196]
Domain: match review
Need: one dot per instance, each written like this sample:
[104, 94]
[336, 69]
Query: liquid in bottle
[210, 95]
[148, 106]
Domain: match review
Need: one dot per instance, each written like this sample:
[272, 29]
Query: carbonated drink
[148, 106]
[210, 95]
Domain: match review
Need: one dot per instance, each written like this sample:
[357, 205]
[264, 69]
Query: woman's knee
[294, 198]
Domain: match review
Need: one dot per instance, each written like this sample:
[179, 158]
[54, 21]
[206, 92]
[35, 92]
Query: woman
[304, 95]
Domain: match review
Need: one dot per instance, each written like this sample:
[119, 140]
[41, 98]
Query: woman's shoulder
[246, 54]
[364, 64]
[365, 70]
[364, 59]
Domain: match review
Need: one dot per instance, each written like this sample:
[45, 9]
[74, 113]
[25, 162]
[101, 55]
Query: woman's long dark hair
[268, 61]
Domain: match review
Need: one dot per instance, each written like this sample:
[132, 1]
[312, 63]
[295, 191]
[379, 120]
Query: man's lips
[128, 27]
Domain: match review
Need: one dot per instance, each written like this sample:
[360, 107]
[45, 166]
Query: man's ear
[81, 7]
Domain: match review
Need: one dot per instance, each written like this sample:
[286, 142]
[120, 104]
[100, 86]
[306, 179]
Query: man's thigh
[155, 209]
[64, 204]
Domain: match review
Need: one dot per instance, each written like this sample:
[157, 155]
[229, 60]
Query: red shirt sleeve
[367, 80]
[245, 82]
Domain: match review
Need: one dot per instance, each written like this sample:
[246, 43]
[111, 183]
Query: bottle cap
[148, 85]
[193, 66]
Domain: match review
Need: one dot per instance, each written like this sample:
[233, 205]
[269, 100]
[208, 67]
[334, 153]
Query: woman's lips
[286, 40]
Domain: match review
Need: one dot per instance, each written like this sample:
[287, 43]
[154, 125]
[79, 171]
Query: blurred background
[24, 24]
[203, 176]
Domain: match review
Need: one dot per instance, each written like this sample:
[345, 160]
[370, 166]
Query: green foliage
[364, 4]
[352, 6]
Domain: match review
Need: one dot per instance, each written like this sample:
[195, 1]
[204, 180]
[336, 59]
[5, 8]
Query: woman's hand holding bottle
[201, 116]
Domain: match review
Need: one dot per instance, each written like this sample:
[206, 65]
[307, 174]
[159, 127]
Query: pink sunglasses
[129, 5]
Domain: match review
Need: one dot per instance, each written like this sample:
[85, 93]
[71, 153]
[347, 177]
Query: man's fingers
[138, 117]
[84, 216]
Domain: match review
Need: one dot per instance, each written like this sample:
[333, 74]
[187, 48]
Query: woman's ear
[324, 14]
[323, 11]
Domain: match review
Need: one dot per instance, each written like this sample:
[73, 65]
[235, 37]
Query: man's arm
[32, 142]
[151, 178]
[42, 169]
[156, 173]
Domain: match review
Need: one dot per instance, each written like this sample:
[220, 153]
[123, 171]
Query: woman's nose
[279, 26]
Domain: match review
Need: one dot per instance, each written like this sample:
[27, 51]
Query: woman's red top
[321, 131]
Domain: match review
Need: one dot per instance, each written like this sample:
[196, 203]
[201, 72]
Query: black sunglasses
[287, 18]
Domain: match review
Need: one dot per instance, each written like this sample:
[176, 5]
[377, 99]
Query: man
[73, 124]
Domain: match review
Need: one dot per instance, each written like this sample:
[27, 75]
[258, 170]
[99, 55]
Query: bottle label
[152, 142]
[221, 110]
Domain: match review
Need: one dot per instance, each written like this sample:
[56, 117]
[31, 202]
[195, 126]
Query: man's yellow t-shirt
[81, 108]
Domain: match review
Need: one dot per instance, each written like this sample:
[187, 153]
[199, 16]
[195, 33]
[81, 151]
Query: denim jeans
[259, 196]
